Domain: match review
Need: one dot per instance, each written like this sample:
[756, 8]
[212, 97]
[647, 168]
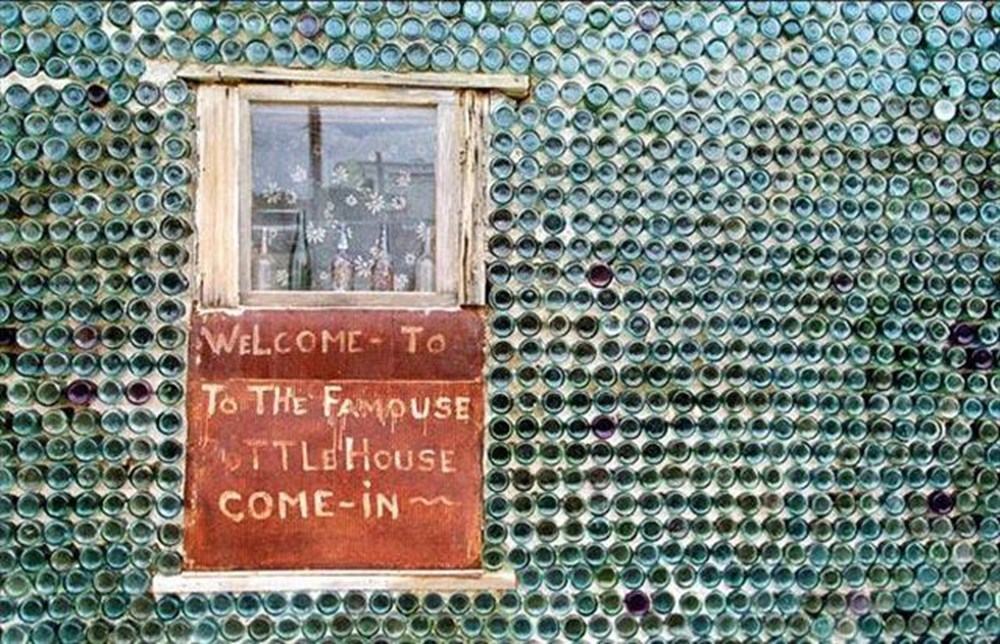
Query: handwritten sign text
[339, 471]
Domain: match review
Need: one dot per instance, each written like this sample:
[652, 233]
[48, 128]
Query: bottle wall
[743, 317]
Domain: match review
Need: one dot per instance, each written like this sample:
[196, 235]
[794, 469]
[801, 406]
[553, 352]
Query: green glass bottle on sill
[300, 258]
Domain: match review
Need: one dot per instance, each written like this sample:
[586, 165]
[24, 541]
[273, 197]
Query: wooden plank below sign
[334, 580]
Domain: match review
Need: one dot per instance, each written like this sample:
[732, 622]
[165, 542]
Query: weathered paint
[335, 440]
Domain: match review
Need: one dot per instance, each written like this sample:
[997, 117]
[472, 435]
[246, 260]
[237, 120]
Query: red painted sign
[355, 445]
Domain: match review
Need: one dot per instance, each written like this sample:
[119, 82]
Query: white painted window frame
[222, 207]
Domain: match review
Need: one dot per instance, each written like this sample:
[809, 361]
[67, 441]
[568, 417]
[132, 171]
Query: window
[327, 193]
[343, 198]
[323, 189]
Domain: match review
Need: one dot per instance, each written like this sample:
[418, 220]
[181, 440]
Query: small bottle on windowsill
[263, 264]
[300, 259]
[341, 269]
[382, 267]
[424, 267]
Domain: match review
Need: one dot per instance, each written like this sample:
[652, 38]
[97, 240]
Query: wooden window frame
[222, 204]
[224, 190]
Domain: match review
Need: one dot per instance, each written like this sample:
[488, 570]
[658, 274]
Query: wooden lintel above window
[509, 84]
[452, 173]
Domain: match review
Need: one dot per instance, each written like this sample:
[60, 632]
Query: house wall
[742, 317]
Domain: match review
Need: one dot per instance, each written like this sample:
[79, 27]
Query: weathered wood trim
[512, 85]
[341, 580]
[475, 108]
[302, 93]
[244, 191]
[353, 299]
[448, 200]
[218, 195]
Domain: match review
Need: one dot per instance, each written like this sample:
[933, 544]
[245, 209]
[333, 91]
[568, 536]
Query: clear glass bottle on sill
[341, 270]
[382, 266]
[263, 268]
[424, 266]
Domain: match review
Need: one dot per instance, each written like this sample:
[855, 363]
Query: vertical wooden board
[217, 198]
[475, 197]
[448, 198]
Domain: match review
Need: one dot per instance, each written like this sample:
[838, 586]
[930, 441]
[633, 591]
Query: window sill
[333, 580]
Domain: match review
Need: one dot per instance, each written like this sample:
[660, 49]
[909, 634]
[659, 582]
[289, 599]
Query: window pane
[343, 197]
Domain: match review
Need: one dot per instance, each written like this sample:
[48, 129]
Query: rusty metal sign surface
[326, 440]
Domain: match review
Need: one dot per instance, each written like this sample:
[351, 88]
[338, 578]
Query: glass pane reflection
[343, 197]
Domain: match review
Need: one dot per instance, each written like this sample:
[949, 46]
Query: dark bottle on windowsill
[300, 259]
